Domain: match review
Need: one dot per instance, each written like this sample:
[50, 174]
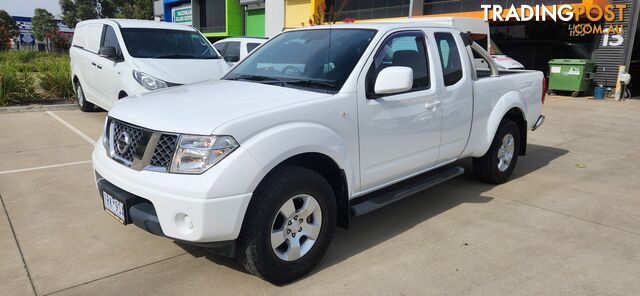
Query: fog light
[183, 223]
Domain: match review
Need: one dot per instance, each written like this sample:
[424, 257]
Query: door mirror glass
[108, 53]
[392, 80]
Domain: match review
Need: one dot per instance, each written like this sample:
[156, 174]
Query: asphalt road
[567, 223]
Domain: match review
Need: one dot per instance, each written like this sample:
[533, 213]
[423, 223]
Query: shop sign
[182, 15]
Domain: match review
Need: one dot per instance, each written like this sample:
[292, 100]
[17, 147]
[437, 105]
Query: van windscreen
[167, 44]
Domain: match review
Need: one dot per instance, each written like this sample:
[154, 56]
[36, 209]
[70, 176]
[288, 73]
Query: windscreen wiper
[261, 79]
[311, 83]
[174, 56]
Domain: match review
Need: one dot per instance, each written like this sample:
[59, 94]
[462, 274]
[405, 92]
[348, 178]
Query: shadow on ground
[379, 226]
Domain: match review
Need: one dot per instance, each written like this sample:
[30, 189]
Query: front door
[399, 133]
[108, 72]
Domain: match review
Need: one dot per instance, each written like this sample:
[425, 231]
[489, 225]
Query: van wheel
[288, 226]
[497, 165]
[82, 101]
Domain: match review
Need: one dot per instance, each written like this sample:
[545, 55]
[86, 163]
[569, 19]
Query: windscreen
[167, 44]
[320, 59]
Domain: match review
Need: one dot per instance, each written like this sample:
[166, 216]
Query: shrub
[15, 87]
[25, 75]
[55, 81]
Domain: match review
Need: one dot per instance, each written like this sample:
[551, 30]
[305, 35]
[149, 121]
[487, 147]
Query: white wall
[274, 17]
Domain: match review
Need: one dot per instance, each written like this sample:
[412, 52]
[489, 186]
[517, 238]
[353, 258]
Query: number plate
[113, 206]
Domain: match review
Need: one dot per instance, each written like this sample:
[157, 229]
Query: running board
[378, 199]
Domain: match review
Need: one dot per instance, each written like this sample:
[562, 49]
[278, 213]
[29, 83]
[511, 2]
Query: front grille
[164, 151]
[133, 133]
[140, 148]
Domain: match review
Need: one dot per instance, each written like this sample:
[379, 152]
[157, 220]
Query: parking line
[71, 127]
[45, 167]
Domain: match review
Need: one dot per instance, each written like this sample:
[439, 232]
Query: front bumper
[173, 196]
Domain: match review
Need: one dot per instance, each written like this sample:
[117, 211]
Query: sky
[26, 7]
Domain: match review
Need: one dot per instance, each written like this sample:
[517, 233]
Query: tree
[133, 9]
[74, 11]
[8, 29]
[43, 25]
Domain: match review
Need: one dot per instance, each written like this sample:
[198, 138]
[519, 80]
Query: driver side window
[406, 49]
[109, 39]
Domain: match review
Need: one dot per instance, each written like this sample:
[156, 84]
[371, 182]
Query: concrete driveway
[567, 223]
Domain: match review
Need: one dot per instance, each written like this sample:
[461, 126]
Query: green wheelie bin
[572, 75]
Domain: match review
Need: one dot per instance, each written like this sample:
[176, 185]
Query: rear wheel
[81, 99]
[497, 165]
[289, 225]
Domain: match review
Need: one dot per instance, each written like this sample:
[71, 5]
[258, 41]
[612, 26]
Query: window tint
[406, 49]
[252, 46]
[317, 60]
[109, 39]
[449, 58]
[232, 52]
[220, 47]
[167, 44]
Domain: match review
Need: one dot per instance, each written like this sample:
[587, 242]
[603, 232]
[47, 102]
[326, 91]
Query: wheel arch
[510, 106]
[331, 171]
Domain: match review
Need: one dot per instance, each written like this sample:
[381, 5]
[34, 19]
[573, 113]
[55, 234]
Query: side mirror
[108, 53]
[393, 80]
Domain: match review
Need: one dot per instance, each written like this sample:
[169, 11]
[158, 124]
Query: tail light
[544, 89]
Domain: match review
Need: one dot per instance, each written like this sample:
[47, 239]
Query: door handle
[99, 67]
[93, 63]
[432, 106]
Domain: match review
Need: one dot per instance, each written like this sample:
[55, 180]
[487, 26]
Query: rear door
[399, 133]
[455, 96]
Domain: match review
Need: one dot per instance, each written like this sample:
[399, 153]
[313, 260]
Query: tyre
[497, 165]
[82, 101]
[288, 226]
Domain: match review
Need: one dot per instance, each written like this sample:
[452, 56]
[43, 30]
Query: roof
[378, 25]
[131, 23]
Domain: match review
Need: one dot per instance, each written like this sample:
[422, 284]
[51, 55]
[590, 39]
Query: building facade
[533, 43]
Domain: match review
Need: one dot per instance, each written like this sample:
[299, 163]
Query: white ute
[316, 125]
[115, 58]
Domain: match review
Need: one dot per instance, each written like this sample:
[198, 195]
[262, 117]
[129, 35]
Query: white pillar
[274, 17]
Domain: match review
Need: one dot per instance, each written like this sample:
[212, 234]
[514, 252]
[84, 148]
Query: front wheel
[84, 105]
[496, 166]
[288, 225]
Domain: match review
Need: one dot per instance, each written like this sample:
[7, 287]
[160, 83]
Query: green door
[255, 23]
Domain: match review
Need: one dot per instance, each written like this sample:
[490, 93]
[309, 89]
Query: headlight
[196, 154]
[147, 81]
[105, 134]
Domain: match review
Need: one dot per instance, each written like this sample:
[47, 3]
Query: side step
[378, 199]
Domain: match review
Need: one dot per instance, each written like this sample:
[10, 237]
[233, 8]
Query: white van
[479, 32]
[112, 59]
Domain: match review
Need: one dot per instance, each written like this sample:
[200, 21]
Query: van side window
[232, 52]
[109, 39]
[220, 47]
[406, 49]
[449, 58]
[252, 46]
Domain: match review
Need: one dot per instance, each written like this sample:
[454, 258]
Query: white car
[318, 124]
[235, 49]
[114, 58]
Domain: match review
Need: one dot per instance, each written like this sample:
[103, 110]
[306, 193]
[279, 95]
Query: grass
[27, 77]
